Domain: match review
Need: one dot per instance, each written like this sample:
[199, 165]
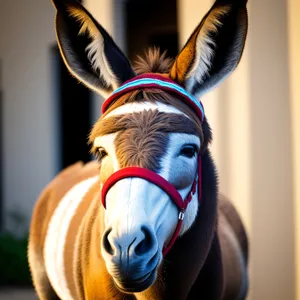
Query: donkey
[144, 220]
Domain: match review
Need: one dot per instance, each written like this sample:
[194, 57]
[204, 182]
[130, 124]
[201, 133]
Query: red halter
[162, 83]
[164, 185]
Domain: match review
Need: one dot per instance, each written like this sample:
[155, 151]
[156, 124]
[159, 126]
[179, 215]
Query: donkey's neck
[207, 285]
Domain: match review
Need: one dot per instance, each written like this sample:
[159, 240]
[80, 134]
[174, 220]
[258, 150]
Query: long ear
[214, 49]
[87, 49]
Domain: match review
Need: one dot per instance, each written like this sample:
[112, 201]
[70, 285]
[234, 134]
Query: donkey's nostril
[147, 243]
[105, 242]
[139, 241]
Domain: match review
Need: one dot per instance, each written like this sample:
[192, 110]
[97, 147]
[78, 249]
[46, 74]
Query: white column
[271, 153]
[294, 73]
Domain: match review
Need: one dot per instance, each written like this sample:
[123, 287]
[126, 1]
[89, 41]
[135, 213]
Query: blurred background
[45, 117]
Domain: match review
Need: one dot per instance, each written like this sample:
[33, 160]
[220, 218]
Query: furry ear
[88, 51]
[214, 49]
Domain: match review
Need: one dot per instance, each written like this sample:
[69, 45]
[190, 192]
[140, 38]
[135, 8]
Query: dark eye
[100, 153]
[189, 151]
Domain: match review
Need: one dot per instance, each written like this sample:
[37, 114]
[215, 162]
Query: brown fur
[142, 137]
[184, 61]
[153, 62]
[146, 121]
[70, 256]
[47, 203]
[155, 95]
[193, 125]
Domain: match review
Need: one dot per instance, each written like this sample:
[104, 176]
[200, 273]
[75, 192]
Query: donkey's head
[151, 128]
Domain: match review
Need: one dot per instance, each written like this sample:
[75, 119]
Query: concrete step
[17, 294]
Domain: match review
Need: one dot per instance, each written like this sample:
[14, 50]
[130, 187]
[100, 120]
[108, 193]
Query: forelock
[153, 62]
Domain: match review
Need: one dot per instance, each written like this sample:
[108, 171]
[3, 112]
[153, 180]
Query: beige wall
[271, 146]
[26, 34]
[251, 118]
[294, 74]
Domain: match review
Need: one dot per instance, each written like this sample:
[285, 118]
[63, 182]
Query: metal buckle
[181, 215]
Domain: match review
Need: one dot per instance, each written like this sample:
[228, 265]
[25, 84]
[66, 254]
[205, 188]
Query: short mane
[153, 62]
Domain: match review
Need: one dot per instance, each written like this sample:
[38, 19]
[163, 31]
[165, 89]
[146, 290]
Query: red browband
[155, 81]
[163, 83]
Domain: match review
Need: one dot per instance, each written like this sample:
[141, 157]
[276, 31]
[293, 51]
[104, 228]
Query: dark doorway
[73, 114]
[151, 23]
